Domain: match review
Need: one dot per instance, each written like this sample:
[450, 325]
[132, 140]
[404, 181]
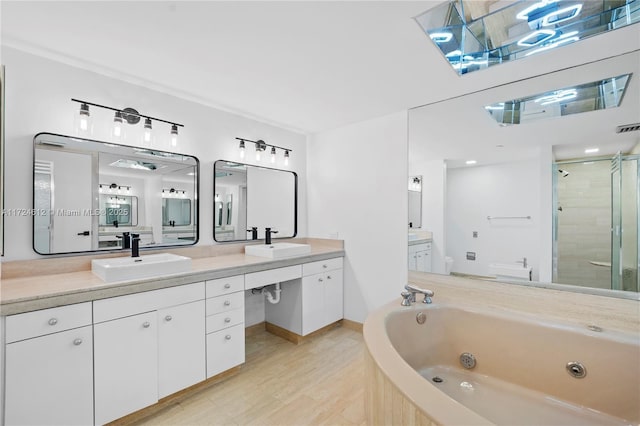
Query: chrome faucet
[523, 261]
[413, 290]
[267, 235]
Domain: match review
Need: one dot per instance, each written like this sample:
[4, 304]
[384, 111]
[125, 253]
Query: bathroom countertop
[29, 293]
[421, 241]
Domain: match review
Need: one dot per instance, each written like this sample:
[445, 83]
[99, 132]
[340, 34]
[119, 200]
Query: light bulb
[146, 138]
[174, 135]
[117, 125]
[273, 155]
[286, 158]
[241, 148]
[83, 121]
[258, 150]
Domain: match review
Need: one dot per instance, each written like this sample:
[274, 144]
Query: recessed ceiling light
[441, 37]
[591, 150]
[470, 162]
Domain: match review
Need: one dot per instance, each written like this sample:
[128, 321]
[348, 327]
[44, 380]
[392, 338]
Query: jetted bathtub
[527, 371]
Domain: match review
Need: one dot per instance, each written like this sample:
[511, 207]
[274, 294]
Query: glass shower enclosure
[596, 222]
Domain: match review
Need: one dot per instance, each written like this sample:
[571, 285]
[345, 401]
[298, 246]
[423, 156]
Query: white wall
[357, 191]
[38, 93]
[505, 190]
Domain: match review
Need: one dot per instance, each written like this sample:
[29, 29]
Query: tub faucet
[135, 245]
[523, 261]
[413, 290]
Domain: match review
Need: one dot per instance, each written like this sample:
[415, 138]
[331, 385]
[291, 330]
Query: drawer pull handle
[227, 285]
[227, 319]
[168, 318]
[227, 303]
[53, 321]
[227, 337]
[146, 324]
[77, 342]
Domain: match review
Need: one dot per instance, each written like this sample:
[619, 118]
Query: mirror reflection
[88, 193]
[547, 201]
[248, 197]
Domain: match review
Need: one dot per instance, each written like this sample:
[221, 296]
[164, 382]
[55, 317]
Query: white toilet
[448, 264]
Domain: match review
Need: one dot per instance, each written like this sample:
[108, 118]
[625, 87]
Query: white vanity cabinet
[312, 302]
[146, 346]
[225, 324]
[420, 257]
[49, 367]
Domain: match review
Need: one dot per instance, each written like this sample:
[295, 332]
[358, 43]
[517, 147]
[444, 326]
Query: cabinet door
[333, 296]
[413, 260]
[424, 259]
[126, 366]
[225, 349]
[313, 316]
[49, 379]
[181, 347]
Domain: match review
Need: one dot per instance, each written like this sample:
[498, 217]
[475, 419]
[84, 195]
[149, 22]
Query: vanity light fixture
[130, 115]
[261, 146]
[173, 193]
[591, 150]
[470, 162]
[114, 188]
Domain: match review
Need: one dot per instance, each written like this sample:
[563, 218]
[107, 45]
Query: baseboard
[352, 325]
[255, 329]
[296, 338]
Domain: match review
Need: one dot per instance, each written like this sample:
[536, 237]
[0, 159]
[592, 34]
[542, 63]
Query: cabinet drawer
[313, 268]
[272, 276]
[225, 285]
[227, 302]
[225, 349]
[223, 320]
[132, 304]
[47, 321]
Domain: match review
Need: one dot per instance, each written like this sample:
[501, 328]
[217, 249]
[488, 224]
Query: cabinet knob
[227, 303]
[77, 342]
[324, 266]
[146, 324]
[53, 321]
[320, 280]
[227, 337]
[227, 285]
[168, 318]
[227, 319]
[328, 277]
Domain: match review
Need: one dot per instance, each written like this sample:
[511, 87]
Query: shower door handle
[85, 233]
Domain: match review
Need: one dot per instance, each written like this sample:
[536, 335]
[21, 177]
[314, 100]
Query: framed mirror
[1, 159]
[87, 193]
[248, 196]
[549, 201]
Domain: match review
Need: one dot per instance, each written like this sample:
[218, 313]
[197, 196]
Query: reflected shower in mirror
[248, 196]
[88, 193]
[542, 200]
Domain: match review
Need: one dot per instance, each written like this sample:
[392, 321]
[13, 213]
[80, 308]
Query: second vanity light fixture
[261, 146]
[131, 116]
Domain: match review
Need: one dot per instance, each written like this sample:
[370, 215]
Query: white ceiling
[303, 65]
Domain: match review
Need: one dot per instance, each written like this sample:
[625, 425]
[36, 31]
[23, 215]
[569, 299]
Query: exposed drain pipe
[270, 297]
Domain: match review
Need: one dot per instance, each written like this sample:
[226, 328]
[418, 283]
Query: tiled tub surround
[44, 283]
[120, 347]
[519, 335]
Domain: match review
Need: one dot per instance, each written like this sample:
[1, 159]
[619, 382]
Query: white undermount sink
[131, 268]
[277, 250]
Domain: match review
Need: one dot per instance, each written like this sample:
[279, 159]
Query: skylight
[474, 35]
[601, 94]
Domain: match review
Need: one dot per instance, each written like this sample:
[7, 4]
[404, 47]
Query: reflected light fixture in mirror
[593, 96]
[84, 125]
